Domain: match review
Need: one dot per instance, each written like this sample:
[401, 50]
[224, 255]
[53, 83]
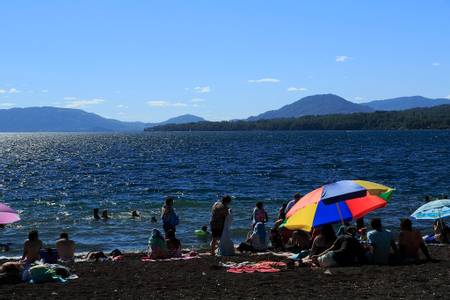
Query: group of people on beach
[321, 246]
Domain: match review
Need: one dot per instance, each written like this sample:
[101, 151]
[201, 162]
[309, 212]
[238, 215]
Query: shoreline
[203, 278]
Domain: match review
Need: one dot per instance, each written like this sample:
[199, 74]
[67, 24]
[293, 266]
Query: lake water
[55, 180]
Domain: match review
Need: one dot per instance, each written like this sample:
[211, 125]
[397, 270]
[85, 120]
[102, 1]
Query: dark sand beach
[203, 279]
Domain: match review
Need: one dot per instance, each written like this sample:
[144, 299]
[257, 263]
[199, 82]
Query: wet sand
[204, 279]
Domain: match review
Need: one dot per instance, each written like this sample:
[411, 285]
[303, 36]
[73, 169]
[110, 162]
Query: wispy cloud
[264, 80]
[202, 89]
[122, 106]
[84, 102]
[44, 91]
[69, 98]
[342, 58]
[165, 104]
[436, 64]
[9, 91]
[6, 104]
[197, 100]
[358, 98]
[296, 89]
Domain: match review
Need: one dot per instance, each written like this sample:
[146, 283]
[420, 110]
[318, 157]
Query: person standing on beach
[219, 212]
[291, 203]
[169, 216]
[259, 214]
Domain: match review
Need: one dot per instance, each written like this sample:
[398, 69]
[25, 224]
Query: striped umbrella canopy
[433, 210]
[8, 215]
[337, 202]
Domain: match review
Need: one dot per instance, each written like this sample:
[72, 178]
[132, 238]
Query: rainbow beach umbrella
[337, 202]
[8, 215]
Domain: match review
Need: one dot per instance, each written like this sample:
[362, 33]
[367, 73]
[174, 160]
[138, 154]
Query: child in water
[202, 233]
[259, 214]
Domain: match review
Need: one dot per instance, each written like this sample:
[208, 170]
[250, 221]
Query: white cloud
[6, 104]
[9, 91]
[164, 104]
[435, 64]
[202, 89]
[296, 89]
[121, 106]
[448, 97]
[342, 58]
[358, 98]
[70, 98]
[264, 80]
[197, 100]
[82, 103]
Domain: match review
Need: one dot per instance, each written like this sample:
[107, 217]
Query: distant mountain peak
[403, 103]
[58, 119]
[322, 104]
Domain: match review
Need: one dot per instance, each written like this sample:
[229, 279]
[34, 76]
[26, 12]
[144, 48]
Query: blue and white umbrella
[433, 210]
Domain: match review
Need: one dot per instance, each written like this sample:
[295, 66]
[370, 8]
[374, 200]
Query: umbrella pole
[340, 213]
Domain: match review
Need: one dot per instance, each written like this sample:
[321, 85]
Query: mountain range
[55, 119]
[327, 104]
[404, 103]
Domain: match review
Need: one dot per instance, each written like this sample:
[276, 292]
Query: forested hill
[437, 117]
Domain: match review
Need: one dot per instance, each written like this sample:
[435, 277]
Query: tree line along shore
[437, 118]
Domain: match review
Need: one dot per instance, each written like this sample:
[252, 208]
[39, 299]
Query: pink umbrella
[8, 215]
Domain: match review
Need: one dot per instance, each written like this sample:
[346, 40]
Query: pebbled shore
[204, 279]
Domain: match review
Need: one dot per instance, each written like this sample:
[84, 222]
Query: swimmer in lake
[135, 214]
[105, 215]
[96, 215]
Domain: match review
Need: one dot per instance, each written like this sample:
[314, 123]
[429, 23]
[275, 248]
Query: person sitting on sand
[257, 241]
[65, 248]
[31, 248]
[381, 242]
[297, 197]
[410, 242]
[157, 248]
[105, 215]
[259, 214]
[168, 216]
[219, 212]
[345, 251]
[135, 214]
[96, 214]
[324, 240]
[276, 240]
[173, 244]
[299, 241]
[441, 233]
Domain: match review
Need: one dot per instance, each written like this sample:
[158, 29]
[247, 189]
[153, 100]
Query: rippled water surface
[55, 180]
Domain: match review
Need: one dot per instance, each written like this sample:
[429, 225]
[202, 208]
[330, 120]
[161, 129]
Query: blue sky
[151, 60]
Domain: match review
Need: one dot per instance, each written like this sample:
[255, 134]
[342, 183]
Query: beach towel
[261, 267]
